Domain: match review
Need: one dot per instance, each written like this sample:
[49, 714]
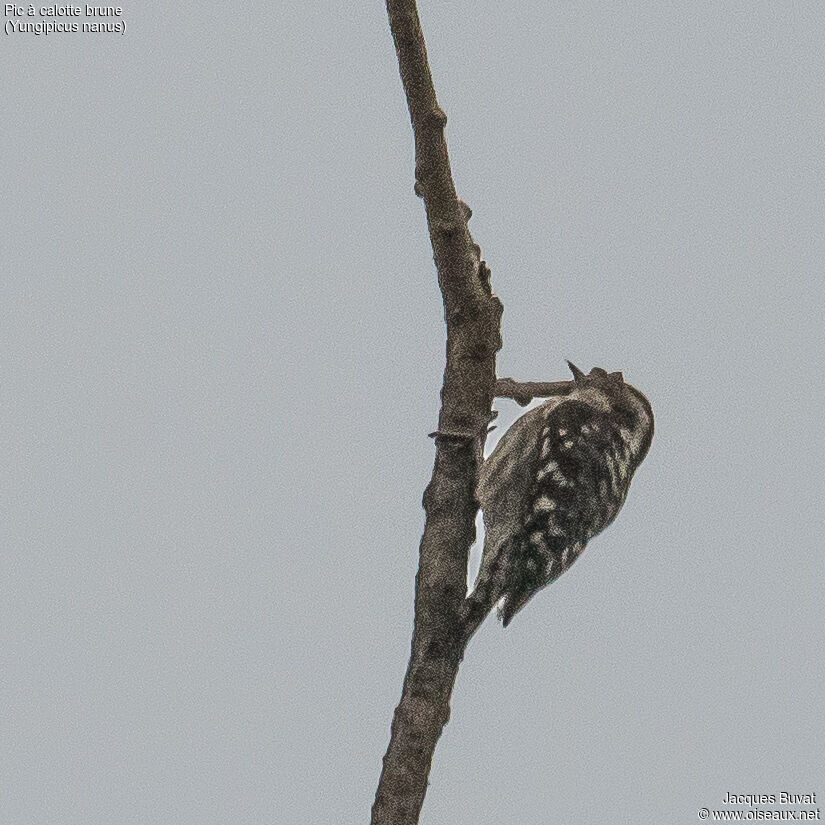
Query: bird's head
[623, 399]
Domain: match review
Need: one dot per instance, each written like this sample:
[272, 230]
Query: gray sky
[222, 346]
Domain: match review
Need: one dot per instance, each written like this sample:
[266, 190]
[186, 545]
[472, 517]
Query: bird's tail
[490, 582]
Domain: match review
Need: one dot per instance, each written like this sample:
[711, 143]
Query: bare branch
[473, 318]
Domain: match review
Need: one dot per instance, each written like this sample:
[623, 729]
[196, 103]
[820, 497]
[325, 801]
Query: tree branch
[473, 318]
[523, 392]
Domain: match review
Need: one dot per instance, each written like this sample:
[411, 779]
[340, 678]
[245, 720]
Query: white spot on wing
[562, 480]
[550, 467]
[544, 504]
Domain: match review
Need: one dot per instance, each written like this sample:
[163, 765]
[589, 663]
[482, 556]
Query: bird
[557, 477]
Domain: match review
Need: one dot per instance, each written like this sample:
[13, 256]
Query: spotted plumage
[556, 478]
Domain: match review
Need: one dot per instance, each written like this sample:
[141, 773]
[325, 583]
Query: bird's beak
[577, 373]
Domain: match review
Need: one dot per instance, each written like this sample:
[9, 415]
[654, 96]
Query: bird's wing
[505, 481]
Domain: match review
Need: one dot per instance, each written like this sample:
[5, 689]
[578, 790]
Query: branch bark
[473, 319]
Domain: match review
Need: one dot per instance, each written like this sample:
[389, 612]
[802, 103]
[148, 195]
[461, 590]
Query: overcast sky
[221, 345]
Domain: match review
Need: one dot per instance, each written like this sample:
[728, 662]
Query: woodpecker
[557, 478]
